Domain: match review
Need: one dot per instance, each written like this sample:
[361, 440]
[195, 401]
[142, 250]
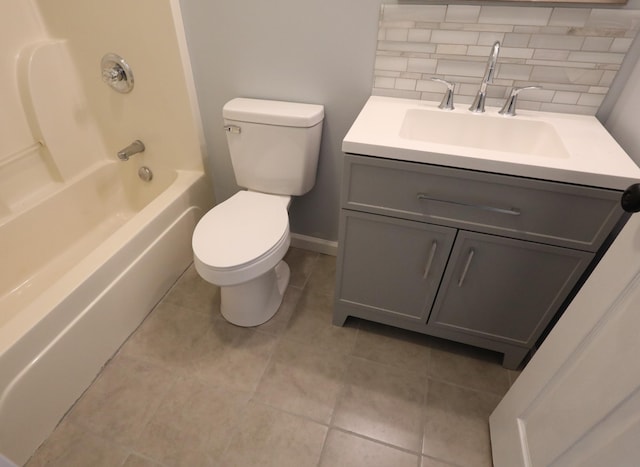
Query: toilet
[239, 244]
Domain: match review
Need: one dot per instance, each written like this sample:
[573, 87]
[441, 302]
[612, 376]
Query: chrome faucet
[478, 103]
[134, 148]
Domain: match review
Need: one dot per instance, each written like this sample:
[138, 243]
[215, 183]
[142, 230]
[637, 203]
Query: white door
[577, 403]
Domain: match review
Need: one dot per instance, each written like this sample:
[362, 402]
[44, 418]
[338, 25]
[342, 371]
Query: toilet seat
[241, 238]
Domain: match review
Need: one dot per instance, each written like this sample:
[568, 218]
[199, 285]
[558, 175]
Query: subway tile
[396, 93]
[451, 26]
[391, 63]
[598, 90]
[565, 64]
[591, 99]
[496, 28]
[509, 71]
[488, 38]
[567, 109]
[576, 17]
[548, 54]
[554, 41]
[416, 47]
[419, 35]
[396, 34]
[462, 13]
[621, 44]
[607, 78]
[597, 44]
[596, 57]
[450, 49]
[384, 82]
[405, 84]
[479, 50]
[566, 75]
[454, 37]
[530, 16]
[422, 65]
[460, 67]
[516, 40]
[609, 19]
[566, 97]
[516, 52]
[430, 86]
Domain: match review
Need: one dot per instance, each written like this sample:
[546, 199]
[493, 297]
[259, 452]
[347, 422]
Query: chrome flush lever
[233, 129]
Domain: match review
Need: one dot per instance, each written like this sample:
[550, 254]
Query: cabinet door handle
[466, 267]
[508, 211]
[432, 254]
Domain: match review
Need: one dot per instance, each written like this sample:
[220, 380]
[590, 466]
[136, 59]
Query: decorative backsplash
[573, 53]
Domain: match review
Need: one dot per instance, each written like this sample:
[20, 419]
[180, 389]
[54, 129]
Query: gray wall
[317, 52]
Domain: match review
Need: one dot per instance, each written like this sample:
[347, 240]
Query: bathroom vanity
[480, 236]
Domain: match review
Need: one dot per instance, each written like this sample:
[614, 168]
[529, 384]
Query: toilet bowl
[239, 245]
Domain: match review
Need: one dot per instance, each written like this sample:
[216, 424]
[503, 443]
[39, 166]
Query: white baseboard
[319, 245]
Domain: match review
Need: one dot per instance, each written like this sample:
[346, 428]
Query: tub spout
[134, 148]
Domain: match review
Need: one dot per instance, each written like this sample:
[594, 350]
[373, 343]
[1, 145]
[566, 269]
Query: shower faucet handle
[447, 99]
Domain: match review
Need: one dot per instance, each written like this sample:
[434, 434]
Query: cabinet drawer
[549, 212]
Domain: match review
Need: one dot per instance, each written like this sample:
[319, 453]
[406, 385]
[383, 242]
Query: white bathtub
[80, 271]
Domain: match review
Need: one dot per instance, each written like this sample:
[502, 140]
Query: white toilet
[240, 243]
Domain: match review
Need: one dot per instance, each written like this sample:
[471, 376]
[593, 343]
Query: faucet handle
[509, 107]
[447, 99]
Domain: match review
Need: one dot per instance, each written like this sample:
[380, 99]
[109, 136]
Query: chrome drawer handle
[234, 129]
[508, 211]
[466, 268]
[432, 254]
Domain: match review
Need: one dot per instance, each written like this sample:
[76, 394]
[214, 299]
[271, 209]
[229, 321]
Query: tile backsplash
[573, 53]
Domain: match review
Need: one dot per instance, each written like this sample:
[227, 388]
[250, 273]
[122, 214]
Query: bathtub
[81, 269]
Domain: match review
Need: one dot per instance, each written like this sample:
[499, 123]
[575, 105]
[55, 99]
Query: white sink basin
[492, 133]
[552, 146]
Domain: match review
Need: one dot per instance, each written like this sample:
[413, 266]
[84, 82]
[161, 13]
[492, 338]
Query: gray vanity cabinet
[483, 259]
[392, 268]
[503, 290]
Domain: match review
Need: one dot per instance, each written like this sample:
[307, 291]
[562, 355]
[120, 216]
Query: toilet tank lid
[273, 112]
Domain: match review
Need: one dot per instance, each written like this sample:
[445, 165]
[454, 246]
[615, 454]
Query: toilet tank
[274, 145]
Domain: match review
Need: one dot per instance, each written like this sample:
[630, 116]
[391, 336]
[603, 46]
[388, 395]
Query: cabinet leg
[339, 318]
[513, 358]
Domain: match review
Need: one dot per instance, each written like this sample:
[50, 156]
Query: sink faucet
[134, 148]
[478, 103]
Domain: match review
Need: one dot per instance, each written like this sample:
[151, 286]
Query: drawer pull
[508, 211]
[466, 268]
[432, 254]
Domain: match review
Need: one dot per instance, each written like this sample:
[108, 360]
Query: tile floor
[189, 389]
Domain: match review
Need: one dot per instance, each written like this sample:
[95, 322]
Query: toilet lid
[241, 229]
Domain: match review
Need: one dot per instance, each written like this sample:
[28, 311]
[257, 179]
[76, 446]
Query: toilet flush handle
[232, 129]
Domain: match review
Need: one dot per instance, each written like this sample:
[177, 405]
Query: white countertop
[593, 158]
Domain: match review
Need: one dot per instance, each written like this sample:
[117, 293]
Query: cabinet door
[389, 269]
[504, 289]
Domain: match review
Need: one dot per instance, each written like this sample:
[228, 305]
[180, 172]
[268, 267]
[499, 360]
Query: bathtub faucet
[134, 148]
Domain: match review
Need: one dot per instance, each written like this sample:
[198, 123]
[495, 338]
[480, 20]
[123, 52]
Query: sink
[559, 147]
[491, 133]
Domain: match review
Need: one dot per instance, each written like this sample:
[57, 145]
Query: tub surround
[574, 53]
[92, 246]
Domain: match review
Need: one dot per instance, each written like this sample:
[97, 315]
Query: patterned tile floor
[190, 389]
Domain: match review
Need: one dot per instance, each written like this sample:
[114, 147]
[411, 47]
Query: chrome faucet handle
[447, 99]
[509, 107]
